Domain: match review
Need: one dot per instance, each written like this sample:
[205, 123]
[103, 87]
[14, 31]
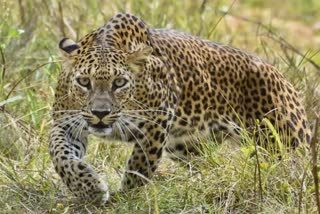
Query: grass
[225, 178]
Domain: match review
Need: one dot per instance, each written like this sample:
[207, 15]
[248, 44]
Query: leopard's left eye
[119, 83]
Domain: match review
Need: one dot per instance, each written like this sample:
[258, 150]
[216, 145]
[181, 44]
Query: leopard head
[101, 81]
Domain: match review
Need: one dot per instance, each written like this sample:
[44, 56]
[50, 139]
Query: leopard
[156, 88]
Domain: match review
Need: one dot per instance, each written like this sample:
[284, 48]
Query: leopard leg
[67, 154]
[182, 150]
[144, 159]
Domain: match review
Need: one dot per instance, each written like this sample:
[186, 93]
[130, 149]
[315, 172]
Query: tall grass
[225, 178]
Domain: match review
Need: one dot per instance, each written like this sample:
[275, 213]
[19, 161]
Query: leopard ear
[68, 46]
[137, 58]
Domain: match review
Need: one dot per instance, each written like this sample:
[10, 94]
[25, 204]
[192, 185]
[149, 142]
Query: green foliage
[224, 178]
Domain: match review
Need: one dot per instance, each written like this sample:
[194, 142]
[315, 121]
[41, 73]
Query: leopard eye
[84, 82]
[119, 83]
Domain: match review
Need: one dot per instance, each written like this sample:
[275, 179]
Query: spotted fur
[155, 87]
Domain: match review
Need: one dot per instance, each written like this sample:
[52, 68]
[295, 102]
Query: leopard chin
[100, 130]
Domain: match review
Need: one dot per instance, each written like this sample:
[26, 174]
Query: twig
[4, 66]
[304, 175]
[201, 10]
[275, 37]
[221, 18]
[22, 12]
[287, 45]
[259, 172]
[257, 168]
[314, 154]
[203, 6]
[20, 80]
[61, 19]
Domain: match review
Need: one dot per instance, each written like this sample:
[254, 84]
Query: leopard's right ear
[68, 46]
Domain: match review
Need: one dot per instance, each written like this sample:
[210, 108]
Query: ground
[225, 178]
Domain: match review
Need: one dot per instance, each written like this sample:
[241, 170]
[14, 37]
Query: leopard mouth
[100, 129]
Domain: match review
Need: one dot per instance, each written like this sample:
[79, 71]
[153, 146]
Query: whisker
[70, 122]
[80, 128]
[66, 117]
[66, 120]
[154, 110]
[123, 134]
[142, 118]
[138, 141]
[139, 104]
[137, 128]
[75, 130]
[68, 110]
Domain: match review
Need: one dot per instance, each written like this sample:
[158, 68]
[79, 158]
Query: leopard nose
[101, 113]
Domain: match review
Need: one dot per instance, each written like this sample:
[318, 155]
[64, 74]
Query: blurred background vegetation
[285, 33]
